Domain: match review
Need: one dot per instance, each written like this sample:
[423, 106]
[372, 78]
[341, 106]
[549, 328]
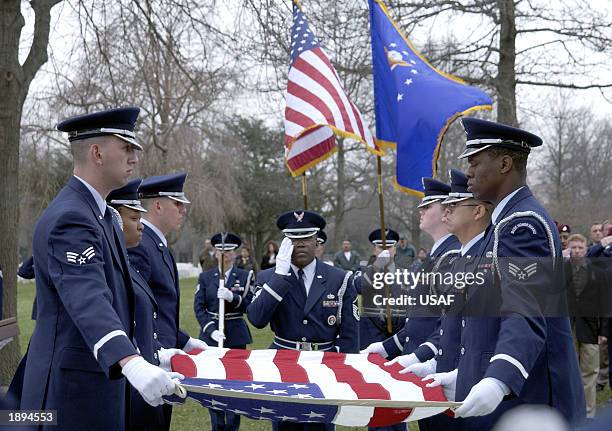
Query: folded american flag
[300, 386]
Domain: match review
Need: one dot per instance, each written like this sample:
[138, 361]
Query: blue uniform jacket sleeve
[199, 302]
[394, 345]
[348, 337]
[241, 302]
[522, 242]
[429, 348]
[76, 268]
[269, 294]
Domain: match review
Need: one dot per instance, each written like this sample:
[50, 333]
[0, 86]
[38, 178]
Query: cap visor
[452, 199]
[178, 199]
[136, 208]
[299, 235]
[130, 140]
[471, 151]
[428, 202]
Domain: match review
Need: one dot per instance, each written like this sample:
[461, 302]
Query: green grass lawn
[190, 416]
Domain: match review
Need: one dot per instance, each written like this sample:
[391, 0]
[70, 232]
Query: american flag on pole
[307, 386]
[317, 106]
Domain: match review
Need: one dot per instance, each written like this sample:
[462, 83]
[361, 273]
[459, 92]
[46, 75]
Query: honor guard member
[467, 219]
[128, 210]
[411, 340]
[321, 240]
[309, 305]
[514, 354]
[163, 198]
[373, 323]
[237, 294]
[82, 342]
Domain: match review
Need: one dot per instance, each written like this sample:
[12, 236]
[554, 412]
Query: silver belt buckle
[306, 345]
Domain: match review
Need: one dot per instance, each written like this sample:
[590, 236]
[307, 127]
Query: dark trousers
[224, 421]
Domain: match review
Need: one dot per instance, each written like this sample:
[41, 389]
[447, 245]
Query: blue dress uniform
[373, 322]
[85, 301]
[421, 322]
[206, 307]
[531, 354]
[142, 415]
[447, 336]
[326, 319]
[156, 264]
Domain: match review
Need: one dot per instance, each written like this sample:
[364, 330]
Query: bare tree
[572, 168]
[510, 43]
[15, 79]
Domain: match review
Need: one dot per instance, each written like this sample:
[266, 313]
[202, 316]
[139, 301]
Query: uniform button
[305, 322]
[463, 323]
[441, 331]
[155, 355]
[407, 339]
[407, 319]
[303, 338]
[154, 315]
[440, 352]
[155, 335]
[462, 351]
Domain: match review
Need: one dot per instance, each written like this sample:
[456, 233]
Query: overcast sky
[65, 31]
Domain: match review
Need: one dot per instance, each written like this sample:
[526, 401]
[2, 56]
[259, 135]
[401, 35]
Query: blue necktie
[301, 279]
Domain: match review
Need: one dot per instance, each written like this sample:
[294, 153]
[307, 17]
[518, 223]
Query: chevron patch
[524, 273]
[82, 258]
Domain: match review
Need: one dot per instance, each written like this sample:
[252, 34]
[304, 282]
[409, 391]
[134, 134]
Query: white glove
[375, 348]
[421, 369]
[283, 258]
[483, 399]
[165, 355]
[217, 335]
[448, 381]
[225, 293]
[404, 360]
[382, 260]
[150, 381]
[194, 343]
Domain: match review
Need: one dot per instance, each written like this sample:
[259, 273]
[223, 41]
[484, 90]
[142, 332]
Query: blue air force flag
[414, 102]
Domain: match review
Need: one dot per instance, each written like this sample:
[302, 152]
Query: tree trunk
[11, 103]
[339, 230]
[14, 84]
[506, 74]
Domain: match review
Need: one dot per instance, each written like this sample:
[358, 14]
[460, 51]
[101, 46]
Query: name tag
[330, 303]
[237, 287]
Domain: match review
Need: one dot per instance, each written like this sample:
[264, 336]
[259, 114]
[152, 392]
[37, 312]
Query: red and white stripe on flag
[317, 107]
[360, 386]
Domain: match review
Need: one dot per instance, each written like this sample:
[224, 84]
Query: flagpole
[383, 236]
[305, 190]
[221, 285]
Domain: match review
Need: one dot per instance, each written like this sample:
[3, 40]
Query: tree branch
[561, 85]
[38, 51]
